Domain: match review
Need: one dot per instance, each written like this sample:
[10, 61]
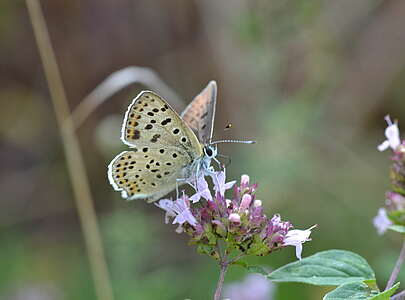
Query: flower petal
[381, 221]
[383, 146]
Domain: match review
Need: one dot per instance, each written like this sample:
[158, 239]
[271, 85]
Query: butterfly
[166, 149]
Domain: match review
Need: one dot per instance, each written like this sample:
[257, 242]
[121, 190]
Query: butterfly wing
[200, 113]
[164, 150]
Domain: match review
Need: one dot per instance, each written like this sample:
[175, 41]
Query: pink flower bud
[246, 200]
[234, 217]
[244, 180]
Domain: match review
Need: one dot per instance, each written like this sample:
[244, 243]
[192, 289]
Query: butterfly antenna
[233, 141]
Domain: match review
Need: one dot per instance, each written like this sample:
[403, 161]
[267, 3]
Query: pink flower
[167, 205]
[296, 238]
[219, 183]
[392, 135]
[201, 191]
[179, 209]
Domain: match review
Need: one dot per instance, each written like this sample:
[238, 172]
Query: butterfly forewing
[165, 148]
[200, 113]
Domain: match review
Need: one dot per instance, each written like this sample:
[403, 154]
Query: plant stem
[399, 296]
[224, 267]
[397, 268]
[73, 154]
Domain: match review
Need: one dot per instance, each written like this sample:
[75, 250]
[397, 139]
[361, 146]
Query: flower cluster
[215, 222]
[394, 210]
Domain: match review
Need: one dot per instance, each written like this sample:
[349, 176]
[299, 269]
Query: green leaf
[251, 269]
[332, 267]
[257, 269]
[359, 291]
[352, 291]
[386, 294]
[397, 228]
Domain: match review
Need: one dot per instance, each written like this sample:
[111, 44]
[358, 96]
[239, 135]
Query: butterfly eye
[208, 152]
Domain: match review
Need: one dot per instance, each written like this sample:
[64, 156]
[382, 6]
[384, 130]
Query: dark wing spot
[162, 151]
[166, 121]
[145, 149]
[155, 138]
[176, 130]
[184, 139]
[159, 176]
[155, 110]
[174, 155]
[137, 135]
[149, 126]
[153, 121]
[151, 114]
[203, 127]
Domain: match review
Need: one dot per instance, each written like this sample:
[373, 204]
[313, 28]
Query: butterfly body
[165, 151]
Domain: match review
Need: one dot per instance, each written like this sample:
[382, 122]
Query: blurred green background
[309, 80]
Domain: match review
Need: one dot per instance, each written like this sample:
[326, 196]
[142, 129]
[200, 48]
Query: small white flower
[228, 203]
[257, 203]
[381, 221]
[392, 135]
[296, 238]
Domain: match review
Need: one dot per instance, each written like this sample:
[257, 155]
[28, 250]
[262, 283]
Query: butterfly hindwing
[164, 150]
[200, 113]
[145, 175]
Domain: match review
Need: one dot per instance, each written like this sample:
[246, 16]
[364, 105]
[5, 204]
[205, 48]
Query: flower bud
[244, 180]
[234, 217]
[245, 203]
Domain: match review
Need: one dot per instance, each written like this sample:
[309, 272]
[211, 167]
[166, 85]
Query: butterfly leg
[178, 180]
